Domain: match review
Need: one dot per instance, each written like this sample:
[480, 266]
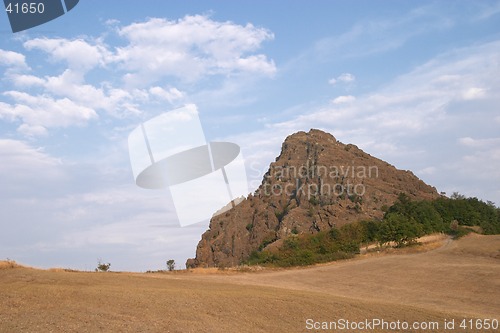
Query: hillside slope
[315, 184]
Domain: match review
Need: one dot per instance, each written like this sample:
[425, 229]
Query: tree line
[402, 224]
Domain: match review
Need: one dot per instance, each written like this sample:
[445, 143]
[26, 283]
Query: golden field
[441, 280]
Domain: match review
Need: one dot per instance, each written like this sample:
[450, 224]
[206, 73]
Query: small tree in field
[102, 267]
[171, 264]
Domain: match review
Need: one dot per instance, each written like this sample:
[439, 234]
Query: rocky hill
[316, 183]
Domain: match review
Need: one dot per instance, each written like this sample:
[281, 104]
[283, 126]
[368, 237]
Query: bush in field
[102, 267]
[171, 264]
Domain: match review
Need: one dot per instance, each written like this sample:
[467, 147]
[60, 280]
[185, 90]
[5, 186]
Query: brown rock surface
[315, 184]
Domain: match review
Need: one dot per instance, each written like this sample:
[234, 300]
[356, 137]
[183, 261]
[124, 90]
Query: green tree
[457, 196]
[370, 230]
[102, 267]
[171, 264]
[400, 229]
[426, 214]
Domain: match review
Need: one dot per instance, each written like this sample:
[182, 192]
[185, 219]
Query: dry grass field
[449, 280]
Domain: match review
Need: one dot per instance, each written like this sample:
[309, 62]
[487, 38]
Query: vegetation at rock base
[402, 224]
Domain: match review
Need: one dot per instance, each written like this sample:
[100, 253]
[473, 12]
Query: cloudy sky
[414, 83]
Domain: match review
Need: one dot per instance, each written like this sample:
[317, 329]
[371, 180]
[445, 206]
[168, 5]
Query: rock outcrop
[316, 183]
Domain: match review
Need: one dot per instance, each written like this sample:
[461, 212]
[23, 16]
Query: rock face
[316, 183]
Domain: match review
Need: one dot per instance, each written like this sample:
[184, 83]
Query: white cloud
[7, 112]
[255, 64]
[427, 171]
[27, 80]
[115, 101]
[170, 95]
[344, 99]
[71, 85]
[474, 93]
[190, 48]
[467, 141]
[420, 101]
[344, 78]
[112, 22]
[19, 153]
[32, 130]
[42, 111]
[369, 37]
[479, 172]
[78, 54]
[479, 143]
[24, 166]
[13, 59]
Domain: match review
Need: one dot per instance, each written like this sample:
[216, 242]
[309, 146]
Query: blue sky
[414, 83]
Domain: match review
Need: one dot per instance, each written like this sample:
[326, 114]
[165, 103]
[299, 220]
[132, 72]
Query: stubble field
[443, 280]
